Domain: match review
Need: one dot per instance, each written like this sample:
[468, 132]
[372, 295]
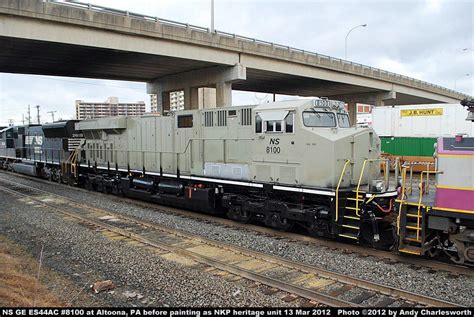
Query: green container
[404, 146]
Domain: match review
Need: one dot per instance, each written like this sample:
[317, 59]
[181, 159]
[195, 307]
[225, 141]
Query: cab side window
[258, 124]
[290, 122]
[275, 122]
[185, 121]
[273, 126]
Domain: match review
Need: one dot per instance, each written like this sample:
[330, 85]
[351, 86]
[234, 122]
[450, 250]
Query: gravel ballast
[141, 276]
[457, 289]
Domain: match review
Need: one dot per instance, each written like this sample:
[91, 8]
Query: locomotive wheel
[275, 221]
[318, 229]
[236, 213]
[88, 185]
[313, 230]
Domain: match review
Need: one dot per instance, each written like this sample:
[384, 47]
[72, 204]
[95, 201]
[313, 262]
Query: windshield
[319, 119]
[343, 120]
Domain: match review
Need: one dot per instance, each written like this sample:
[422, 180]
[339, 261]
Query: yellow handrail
[419, 206]
[404, 178]
[358, 186]
[64, 164]
[75, 154]
[337, 189]
[360, 180]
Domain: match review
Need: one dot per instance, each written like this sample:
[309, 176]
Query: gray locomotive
[293, 164]
[287, 164]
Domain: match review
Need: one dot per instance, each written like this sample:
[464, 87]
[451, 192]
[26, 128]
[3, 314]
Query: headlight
[378, 185]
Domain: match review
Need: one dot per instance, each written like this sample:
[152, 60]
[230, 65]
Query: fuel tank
[23, 168]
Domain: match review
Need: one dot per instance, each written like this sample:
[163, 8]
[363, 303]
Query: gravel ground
[439, 284]
[87, 256]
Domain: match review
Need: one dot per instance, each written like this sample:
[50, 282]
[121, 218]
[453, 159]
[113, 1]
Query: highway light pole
[456, 81]
[345, 47]
[212, 16]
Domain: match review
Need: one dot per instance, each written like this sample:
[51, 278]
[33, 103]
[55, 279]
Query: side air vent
[209, 119]
[246, 116]
[222, 118]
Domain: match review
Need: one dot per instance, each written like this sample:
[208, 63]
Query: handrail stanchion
[420, 199]
[396, 170]
[337, 189]
[402, 195]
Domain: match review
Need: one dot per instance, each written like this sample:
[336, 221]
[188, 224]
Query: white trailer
[431, 120]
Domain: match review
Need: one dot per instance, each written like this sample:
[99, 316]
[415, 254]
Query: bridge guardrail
[371, 70]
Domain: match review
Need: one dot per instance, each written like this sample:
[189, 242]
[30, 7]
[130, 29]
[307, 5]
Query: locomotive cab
[320, 129]
[310, 144]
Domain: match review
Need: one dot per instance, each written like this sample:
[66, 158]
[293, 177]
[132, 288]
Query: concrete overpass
[81, 40]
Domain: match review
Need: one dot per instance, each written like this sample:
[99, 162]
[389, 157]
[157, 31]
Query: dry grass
[18, 284]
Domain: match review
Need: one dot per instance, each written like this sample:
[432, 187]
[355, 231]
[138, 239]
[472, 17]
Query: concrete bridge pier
[376, 99]
[219, 77]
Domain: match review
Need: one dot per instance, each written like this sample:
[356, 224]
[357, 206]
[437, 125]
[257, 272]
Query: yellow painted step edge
[409, 251]
[352, 227]
[413, 239]
[352, 217]
[352, 208]
[346, 236]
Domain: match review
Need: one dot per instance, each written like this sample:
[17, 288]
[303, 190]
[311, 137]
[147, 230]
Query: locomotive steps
[304, 281]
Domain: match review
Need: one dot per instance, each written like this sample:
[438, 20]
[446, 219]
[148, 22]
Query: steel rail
[313, 295]
[418, 261]
[371, 286]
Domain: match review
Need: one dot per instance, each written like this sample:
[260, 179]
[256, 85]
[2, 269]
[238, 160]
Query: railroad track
[416, 262]
[318, 286]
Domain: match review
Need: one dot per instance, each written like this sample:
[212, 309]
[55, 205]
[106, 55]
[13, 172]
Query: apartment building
[206, 99]
[111, 107]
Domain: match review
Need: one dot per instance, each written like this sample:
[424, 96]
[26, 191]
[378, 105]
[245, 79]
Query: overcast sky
[421, 39]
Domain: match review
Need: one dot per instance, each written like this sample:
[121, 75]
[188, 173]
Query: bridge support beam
[377, 99]
[220, 78]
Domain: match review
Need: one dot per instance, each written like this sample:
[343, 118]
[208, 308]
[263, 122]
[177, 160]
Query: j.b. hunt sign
[421, 112]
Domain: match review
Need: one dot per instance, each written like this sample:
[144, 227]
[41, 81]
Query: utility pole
[23, 118]
[38, 114]
[52, 114]
[29, 115]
